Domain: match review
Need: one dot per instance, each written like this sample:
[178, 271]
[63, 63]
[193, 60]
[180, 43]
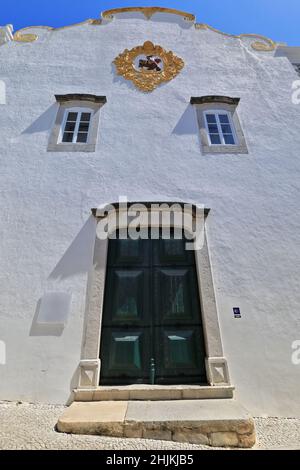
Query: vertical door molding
[90, 364]
[216, 364]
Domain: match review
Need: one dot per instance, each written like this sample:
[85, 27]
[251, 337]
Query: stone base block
[217, 423]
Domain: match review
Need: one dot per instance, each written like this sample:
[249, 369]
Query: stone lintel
[214, 99]
[148, 205]
[81, 97]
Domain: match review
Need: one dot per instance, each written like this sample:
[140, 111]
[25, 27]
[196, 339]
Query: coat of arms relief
[148, 66]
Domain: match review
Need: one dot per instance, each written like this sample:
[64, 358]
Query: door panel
[151, 311]
[181, 351]
[127, 303]
[128, 353]
[128, 253]
[175, 293]
[171, 252]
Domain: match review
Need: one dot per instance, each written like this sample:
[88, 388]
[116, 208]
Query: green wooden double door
[151, 328]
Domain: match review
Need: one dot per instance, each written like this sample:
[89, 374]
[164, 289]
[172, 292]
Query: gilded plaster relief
[148, 66]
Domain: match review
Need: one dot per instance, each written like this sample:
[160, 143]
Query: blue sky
[277, 19]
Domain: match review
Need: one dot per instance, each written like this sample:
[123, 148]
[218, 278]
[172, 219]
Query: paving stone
[190, 436]
[155, 394]
[188, 410]
[160, 434]
[247, 440]
[133, 431]
[224, 439]
[103, 417]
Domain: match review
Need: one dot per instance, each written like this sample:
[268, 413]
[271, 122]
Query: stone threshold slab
[153, 392]
[217, 423]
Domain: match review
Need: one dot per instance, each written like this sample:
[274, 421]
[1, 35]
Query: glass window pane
[213, 129]
[223, 118]
[72, 117]
[82, 137]
[70, 126]
[68, 137]
[211, 118]
[229, 140]
[215, 139]
[85, 117]
[84, 127]
[226, 129]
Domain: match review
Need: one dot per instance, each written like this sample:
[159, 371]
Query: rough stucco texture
[148, 149]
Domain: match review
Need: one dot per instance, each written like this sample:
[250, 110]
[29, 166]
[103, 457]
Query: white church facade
[147, 107]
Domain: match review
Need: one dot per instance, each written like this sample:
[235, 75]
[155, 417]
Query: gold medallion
[148, 66]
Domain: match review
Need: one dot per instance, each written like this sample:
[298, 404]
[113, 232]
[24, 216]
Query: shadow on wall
[187, 124]
[44, 329]
[78, 259]
[44, 122]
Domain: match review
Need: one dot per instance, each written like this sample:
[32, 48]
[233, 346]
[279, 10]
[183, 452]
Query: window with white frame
[220, 128]
[219, 124]
[76, 125]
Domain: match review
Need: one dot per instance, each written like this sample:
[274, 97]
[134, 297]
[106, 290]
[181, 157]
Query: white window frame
[80, 111]
[216, 113]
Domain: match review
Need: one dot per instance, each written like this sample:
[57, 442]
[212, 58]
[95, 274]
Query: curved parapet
[262, 43]
[259, 43]
[148, 12]
[23, 36]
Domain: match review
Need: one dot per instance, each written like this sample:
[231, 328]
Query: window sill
[224, 149]
[71, 148]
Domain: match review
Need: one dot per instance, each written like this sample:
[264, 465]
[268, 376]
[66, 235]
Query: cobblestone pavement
[24, 426]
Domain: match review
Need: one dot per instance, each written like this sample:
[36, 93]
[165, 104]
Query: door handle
[152, 371]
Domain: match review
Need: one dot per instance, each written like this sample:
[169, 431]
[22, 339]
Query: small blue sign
[237, 312]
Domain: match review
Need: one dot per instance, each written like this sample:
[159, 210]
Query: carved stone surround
[90, 365]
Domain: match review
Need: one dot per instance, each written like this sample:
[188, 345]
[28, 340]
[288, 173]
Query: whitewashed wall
[149, 149]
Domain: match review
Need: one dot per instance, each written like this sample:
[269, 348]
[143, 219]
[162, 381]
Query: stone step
[154, 392]
[218, 423]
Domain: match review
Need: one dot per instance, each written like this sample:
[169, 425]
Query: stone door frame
[90, 364]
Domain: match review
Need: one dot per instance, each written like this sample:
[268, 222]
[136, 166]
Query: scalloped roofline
[148, 12]
[263, 43]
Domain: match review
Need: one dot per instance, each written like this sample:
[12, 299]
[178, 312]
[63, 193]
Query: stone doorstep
[218, 423]
[154, 392]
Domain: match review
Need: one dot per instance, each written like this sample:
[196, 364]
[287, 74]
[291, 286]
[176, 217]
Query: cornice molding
[148, 205]
[80, 97]
[214, 99]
